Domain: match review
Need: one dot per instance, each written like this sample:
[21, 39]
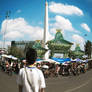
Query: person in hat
[30, 78]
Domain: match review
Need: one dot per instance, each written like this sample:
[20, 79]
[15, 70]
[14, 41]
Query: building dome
[58, 35]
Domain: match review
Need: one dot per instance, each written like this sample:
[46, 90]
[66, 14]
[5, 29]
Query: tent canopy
[47, 60]
[9, 56]
[61, 60]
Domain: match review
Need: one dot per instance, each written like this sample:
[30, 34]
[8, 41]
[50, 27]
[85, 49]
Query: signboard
[58, 55]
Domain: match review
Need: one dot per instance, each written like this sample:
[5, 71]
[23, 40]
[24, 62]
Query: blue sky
[26, 21]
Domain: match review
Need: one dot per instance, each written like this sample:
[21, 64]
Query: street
[81, 83]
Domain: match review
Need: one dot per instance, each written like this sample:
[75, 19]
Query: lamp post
[6, 17]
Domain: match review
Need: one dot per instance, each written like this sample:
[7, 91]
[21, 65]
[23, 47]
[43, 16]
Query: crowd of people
[9, 66]
[49, 69]
[67, 69]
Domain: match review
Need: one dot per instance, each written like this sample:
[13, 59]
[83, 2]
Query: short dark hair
[31, 55]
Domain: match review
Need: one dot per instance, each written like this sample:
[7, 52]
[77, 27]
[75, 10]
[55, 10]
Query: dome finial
[58, 30]
[77, 44]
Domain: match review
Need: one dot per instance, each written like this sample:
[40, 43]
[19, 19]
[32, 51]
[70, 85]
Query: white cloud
[65, 9]
[19, 11]
[77, 39]
[63, 23]
[6, 44]
[1, 45]
[85, 26]
[19, 29]
[13, 35]
[53, 32]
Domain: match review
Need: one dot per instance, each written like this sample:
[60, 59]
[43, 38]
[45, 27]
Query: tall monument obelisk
[46, 33]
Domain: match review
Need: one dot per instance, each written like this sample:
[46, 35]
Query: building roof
[38, 45]
[78, 50]
[60, 39]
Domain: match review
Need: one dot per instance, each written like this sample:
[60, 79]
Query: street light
[6, 17]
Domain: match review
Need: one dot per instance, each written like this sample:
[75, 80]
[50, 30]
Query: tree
[15, 51]
[88, 49]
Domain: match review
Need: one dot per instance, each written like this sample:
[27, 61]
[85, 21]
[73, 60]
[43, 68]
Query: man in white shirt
[30, 78]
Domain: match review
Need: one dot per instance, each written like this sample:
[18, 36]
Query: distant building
[59, 46]
[78, 53]
[22, 44]
[33, 44]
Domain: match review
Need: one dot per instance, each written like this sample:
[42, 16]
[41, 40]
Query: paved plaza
[81, 83]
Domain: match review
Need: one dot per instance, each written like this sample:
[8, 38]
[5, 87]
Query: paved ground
[81, 83]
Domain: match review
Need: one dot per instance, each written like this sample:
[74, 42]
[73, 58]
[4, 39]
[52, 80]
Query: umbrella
[85, 61]
[4, 55]
[85, 56]
[45, 66]
[14, 58]
[64, 64]
[57, 63]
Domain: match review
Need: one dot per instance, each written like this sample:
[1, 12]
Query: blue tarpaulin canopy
[61, 60]
[77, 60]
[38, 59]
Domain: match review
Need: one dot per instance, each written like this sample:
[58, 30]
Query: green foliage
[15, 51]
[40, 53]
[88, 48]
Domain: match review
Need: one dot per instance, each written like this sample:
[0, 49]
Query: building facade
[57, 46]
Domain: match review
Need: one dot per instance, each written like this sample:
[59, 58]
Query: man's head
[31, 55]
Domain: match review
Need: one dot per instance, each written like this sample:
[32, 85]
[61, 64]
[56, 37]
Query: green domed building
[39, 48]
[78, 53]
[59, 45]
